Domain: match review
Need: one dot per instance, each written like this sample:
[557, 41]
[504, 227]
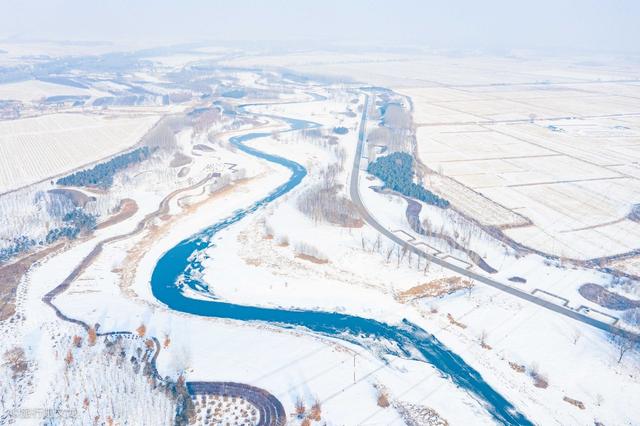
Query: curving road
[355, 196]
[271, 410]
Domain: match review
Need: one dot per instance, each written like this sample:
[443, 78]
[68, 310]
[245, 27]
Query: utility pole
[354, 368]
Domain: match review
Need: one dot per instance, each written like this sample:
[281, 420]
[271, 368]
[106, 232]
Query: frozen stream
[406, 340]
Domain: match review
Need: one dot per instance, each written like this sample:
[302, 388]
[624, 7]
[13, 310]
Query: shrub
[141, 330]
[539, 379]
[16, 360]
[316, 411]
[91, 336]
[575, 402]
[310, 252]
[283, 241]
[69, 357]
[383, 399]
[300, 409]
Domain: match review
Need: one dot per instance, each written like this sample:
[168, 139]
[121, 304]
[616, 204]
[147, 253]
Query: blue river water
[407, 340]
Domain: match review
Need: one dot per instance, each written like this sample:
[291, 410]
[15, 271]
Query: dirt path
[135, 253]
[12, 274]
[272, 412]
[598, 225]
[162, 210]
[126, 209]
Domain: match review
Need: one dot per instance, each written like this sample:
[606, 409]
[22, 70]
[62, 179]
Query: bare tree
[622, 344]
[316, 411]
[576, 335]
[389, 253]
[383, 399]
[426, 265]
[15, 359]
[322, 202]
[300, 408]
[378, 243]
[599, 399]
[632, 317]
[483, 338]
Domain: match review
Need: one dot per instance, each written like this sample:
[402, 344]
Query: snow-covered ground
[292, 363]
[35, 90]
[33, 149]
[247, 268]
[256, 262]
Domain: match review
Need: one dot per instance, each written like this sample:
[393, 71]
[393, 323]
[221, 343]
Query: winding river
[173, 272]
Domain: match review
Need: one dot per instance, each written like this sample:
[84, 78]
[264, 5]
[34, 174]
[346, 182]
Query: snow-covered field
[578, 205]
[33, 149]
[579, 173]
[34, 90]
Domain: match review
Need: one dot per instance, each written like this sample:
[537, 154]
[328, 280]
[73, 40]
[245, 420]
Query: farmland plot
[34, 149]
[472, 203]
[34, 90]
[572, 169]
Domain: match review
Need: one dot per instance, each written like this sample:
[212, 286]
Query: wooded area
[396, 171]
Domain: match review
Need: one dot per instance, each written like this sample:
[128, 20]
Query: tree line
[101, 175]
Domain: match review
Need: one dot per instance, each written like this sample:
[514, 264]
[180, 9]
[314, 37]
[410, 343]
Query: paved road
[355, 196]
[271, 410]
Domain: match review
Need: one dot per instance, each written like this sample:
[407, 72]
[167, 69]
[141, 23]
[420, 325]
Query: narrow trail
[163, 209]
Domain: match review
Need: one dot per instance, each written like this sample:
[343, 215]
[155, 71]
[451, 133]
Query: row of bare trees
[323, 201]
[393, 253]
[325, 204]
[110, 381]
[625, 343]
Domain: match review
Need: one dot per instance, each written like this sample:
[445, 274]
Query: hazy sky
[585, 24]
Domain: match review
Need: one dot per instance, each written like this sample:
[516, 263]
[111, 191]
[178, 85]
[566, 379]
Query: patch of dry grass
[575, 402]
[312, 259]
[436, 288]
[517, 367]
[456, 323]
